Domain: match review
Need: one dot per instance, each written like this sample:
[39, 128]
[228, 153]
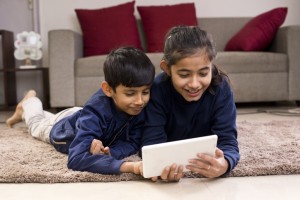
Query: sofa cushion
[157, 20]
[259, 32]
[107, 28]
[93, 66]
[252, 62]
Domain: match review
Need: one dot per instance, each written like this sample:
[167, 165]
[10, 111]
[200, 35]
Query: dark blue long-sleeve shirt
[170, 117]
[98, 119]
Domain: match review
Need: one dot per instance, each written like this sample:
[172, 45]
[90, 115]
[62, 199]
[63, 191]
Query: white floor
[261, 187]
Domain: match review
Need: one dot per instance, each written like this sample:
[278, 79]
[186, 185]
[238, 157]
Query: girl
[192, 98]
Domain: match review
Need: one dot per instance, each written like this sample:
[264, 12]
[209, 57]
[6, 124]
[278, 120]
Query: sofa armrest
[65, 46]
[287, 41]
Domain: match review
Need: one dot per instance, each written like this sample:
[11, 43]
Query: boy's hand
[138, 168]
[98, 148]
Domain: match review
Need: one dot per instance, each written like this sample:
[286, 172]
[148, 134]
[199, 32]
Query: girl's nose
[194, 82]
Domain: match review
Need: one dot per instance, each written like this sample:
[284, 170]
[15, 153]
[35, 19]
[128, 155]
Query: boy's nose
[139, 100]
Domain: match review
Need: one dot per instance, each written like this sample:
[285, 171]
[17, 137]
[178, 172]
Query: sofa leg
[298, 103]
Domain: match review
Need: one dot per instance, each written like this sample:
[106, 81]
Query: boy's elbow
[71, 164]
[74, 163]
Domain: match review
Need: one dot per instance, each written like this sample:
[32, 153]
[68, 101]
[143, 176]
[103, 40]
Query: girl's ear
[106, 89]
[164, 66]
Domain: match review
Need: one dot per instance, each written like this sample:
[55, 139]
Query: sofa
[261, 76]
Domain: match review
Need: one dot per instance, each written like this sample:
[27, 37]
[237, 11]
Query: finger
[106, 151]
[93, 145]
[219, 153]
[197, 163]
[169, 173]
[165, 174]
[98, 149]
[154, 179]
[173, 173]
[179, 174]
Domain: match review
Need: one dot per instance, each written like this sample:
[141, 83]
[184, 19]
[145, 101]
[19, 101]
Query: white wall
[59, 14]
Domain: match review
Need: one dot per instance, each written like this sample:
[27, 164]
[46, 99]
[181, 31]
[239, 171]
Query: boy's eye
[146, 92]
[129, 94]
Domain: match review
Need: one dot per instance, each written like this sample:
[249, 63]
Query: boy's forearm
[131, 167]
[127, 167]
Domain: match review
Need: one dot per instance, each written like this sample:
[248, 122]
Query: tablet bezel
[158, 156]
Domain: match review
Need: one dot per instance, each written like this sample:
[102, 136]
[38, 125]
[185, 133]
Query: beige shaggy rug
[271, 148]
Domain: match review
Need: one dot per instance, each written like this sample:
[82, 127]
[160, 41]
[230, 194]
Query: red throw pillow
[157, 20]
[259, 32]
[108, 28]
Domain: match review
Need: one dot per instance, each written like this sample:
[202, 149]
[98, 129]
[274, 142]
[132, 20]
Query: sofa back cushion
[259, 32]
[157, 20]
[107, 28]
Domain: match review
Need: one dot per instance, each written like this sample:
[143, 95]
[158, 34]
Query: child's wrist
[127, 167]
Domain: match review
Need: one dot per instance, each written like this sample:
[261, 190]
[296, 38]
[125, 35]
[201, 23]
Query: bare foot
[17, 116]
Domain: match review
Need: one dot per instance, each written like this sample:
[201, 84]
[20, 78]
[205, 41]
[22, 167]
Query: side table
[10, 92]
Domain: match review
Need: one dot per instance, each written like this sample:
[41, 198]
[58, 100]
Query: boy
[114, 115]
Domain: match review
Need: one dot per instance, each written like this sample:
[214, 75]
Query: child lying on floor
[114, 115]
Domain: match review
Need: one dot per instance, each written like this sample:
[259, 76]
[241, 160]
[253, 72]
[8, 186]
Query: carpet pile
[269, 148]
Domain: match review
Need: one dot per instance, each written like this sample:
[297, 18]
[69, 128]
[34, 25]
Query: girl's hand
[98, 148]
[171, 174]
[209, 166]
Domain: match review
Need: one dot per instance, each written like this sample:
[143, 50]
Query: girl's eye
[203, 74]
[183, 75]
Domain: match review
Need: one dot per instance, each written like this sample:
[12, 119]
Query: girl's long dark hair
[185, 41]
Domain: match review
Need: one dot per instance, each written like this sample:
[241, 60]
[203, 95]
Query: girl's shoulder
[223, 88]
[162, 81]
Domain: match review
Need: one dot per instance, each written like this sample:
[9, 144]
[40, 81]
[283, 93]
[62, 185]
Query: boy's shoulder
[98, 97]
[100, 103]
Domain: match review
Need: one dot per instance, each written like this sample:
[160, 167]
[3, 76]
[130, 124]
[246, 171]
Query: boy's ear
[164, 66]
[106, 89]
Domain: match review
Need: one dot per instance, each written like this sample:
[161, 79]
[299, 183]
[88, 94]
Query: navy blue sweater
[98, 119]
[170, 117]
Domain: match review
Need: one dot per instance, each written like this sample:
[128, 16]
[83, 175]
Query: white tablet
[158, 156]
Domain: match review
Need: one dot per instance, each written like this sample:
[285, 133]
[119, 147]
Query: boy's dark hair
[185, 41]
[128, 66]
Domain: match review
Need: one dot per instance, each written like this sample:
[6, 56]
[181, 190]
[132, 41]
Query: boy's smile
[131, 100]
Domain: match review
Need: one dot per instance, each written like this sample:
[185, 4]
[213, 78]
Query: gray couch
[256, 76]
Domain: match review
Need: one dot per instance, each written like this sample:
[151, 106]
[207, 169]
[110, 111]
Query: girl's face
[191, 76]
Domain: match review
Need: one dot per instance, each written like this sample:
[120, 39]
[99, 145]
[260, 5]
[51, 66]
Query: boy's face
[131, 100]
[191, 76]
